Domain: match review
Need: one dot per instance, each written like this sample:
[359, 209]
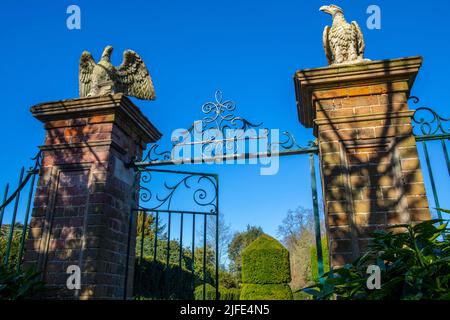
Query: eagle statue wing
[86, 67]
[359, 39]
[326, 44]
[134, 77]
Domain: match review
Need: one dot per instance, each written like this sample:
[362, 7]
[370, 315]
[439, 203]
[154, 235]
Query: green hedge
[265, 261]
[210, 294]
[266, 271]
[229, 294]
[22, 284]
[314, 263]
[154, 280]
[266, 292]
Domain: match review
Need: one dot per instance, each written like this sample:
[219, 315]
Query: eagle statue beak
[325, 9]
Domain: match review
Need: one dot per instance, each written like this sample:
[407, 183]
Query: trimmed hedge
[210, 294]
[265, 261]
[266, 271]
[266, 292]
[155, 281]
[229, 294]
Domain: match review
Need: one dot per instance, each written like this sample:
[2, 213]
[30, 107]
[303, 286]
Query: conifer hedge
[265, 271]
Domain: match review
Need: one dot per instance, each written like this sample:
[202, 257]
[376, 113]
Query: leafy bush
[228, 279]
[265, 261]
[229, 294]
[266, 292]
[153, 280]
[265, 271]
[414, 265]
[15, 244]
[16, 285]
[210, 293]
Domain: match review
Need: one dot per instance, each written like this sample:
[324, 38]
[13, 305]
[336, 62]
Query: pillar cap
[91, 106]
[308, 81]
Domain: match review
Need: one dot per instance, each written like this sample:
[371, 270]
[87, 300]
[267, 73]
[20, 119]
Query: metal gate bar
[430, 126]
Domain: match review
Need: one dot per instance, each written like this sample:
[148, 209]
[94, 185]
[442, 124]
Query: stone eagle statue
[130, 78]
[343, 42]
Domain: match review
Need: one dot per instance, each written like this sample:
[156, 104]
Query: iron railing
[429, 126]
[14, 234]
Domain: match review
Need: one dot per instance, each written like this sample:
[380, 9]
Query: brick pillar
[370, 170]
[85, 194]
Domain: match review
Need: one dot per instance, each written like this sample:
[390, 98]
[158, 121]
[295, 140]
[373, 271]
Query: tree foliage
[298, 235]
[14, 247]
[239, 242]
[224, 237]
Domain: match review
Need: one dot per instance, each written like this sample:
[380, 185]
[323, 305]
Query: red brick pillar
[85, 194]
[370, 169]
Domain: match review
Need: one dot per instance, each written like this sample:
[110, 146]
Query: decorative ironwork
[24, 181]
[154, 155]
[220, 135]
[218, 118]
[164, 199]
[414, 99]
[427, 122]
[289, 144]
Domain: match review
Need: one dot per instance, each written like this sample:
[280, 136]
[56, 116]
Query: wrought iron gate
[211, 139]
[160, 274]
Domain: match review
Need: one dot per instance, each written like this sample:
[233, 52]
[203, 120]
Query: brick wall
[369, 163]
[85, 194]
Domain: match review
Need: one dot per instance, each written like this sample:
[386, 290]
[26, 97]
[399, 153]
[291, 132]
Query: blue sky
[249, 49]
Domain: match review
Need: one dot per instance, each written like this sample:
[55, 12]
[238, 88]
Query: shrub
[210, 293]
[154, 280]
[16, 285]
[265, 271]
[266, 292]
[414, 265]
[14, 246]
[265, 261]
[229, 294]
